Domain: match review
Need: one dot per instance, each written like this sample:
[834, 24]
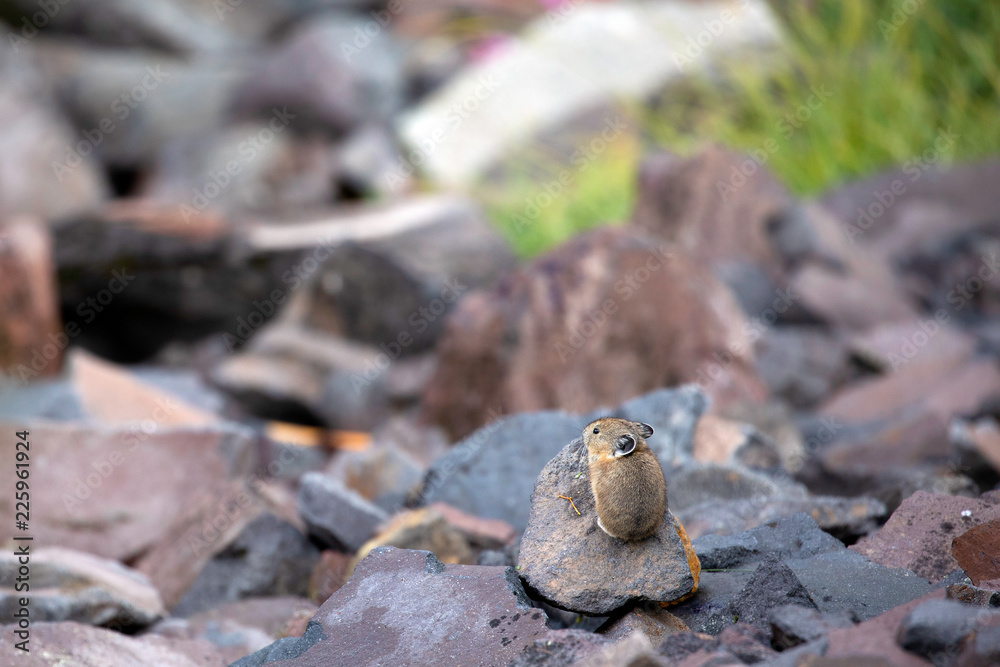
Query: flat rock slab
[406, 607]
[574, 565]
[976, 552]
[918, 536]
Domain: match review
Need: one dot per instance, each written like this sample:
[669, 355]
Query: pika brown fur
[626, 478]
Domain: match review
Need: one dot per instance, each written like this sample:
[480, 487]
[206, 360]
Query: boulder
[553, 334]
[426, 612]
[270, 557]
[334, 514]
[918, 535]
[69, 585]
[572, 564]
[771, 585]
[795, 536]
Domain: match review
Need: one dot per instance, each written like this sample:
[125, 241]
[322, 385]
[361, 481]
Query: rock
[330, 574]
[686, 201]
[427, 612]
[423, 529]
[112, 395]
[937, 629]
[746, 642]
[973, 595]
[558, 648]
[975, 551]
[984, 647]
[634, 650]
[802, 364]
[42, 400]
[481, 533]
[75, 586]
[122, 489]
[553, 74]
[567, 560]
[675, 648]
[85, 646]
[550, 334]
[795, 624]
[918, 535]
[650, 619]
[382, 475]
[239, 628]
[334, 514]
[771, 585]
[270, 557]
[339, 89]
[45, 171]
[31, 337]
[795, 536]
[875, 638]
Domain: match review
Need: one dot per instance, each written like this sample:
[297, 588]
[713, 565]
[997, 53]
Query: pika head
[630, 492]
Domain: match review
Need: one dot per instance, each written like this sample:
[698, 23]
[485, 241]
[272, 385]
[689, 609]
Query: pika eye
[596, 431]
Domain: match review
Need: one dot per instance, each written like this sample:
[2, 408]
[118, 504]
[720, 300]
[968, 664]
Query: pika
[626, 478]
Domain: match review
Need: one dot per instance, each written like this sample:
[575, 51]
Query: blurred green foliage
[859, 86]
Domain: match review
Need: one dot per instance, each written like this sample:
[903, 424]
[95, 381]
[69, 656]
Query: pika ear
[625, 445]
[645, 430]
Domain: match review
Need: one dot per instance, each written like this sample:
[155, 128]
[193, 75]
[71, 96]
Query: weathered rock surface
[560, 647]
[426, 613]
[86, 646]
[976, 552]
[794, 536]
[491, 473]
[552, 334]
[270, 557]
[937, 629]
[121, 490]
[69, 585]
[570, 562]
[650, 619]
[918, 536]
[771, 585]
[336, 515]
[795, 624]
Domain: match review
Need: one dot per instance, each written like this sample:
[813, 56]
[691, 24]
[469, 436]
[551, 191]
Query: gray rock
[772, 584]
[270, 557]
[491, 473]
[937, 629]
[49, 400]
[795, 624]
[426, 613]
[69, 585]
[795, 536]
[335, 514]
[560, 648]
[382, 474]
[650, 619]
[574, 565]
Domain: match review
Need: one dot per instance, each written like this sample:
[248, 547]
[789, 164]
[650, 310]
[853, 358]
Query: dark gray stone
[772, 584]
[424, 611]
[560, 648]
[270, 557]
[574, 565]
[937, 629]
[336, 515]
[795, 536]
[491, 473]
[794, 624]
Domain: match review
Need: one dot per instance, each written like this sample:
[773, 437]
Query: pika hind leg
[601, 526]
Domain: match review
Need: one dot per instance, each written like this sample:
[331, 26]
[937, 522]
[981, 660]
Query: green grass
[889, 92]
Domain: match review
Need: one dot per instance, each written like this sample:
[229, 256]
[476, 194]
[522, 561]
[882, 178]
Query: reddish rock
[484, 533]
[609, 315]
[86, 646]
[31, 338]
[425, 612]
[977, 550]
[918, 536]
[651, 620]
[423, 529]
[118, 491]
[847, 300]
[693, 203]
[329, 575]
